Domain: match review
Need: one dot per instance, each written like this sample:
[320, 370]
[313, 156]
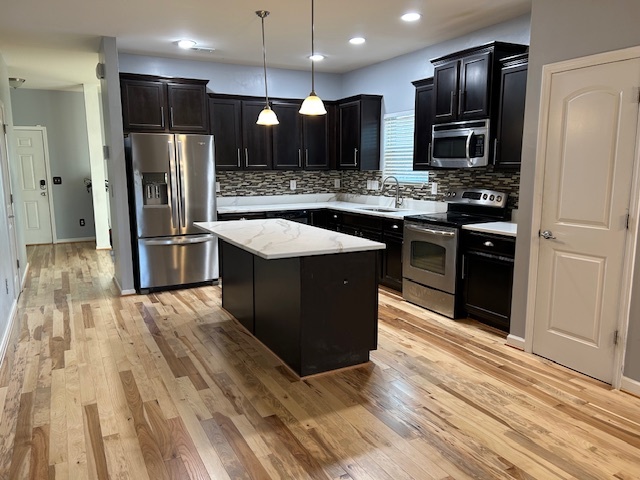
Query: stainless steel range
[431, 266]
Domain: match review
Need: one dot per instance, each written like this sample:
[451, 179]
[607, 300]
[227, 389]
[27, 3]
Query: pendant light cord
[313, 50]
[264, 58]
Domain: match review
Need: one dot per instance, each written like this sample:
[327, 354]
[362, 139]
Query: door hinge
[4, 128]
[616, 336]
[6, 285]
[627, 221]
[11, 198]
[18, 263]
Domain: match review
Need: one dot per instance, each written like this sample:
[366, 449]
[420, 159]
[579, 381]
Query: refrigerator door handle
[183, 206]
[179, 241]
[175, 220]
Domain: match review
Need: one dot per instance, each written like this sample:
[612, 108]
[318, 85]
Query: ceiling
[53, 45]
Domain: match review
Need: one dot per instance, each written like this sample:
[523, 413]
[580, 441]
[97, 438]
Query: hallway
[168, 385]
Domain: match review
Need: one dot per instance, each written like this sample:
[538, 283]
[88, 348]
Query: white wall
[96, 161]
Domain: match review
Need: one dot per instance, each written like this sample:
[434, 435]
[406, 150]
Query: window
[398, 148]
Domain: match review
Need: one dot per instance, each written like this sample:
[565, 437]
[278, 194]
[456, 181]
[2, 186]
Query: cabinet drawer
[362, 221]
[489, 243]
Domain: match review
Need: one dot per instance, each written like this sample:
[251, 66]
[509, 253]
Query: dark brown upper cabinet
[513, 89]
[466, 83]
[300, 142]
[240, 144]
[423, 123]
[160, 104]
[359, 132]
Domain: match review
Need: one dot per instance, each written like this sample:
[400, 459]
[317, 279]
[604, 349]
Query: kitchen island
[310, 295]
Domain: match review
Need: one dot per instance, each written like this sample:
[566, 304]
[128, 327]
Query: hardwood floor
[169, 386]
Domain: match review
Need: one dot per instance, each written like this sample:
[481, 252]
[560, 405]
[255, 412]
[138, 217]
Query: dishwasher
[487, 274]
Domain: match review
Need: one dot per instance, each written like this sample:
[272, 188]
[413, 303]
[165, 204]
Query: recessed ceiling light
[316, 58]
[186, 44]
[357, 41]
[411, 17]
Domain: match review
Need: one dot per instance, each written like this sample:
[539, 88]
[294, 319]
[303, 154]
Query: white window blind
[398, 148]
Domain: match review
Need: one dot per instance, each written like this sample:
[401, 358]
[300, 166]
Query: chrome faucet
[398, 199]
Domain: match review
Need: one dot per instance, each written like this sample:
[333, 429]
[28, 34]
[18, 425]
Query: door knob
[44, 194]
[547, 235]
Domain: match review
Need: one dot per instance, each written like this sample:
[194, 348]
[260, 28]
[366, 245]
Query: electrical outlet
[82, 222]
[369, 187]
[336, 183]
[434, 188]
[217, 187]
[375, 185]
[292, 184]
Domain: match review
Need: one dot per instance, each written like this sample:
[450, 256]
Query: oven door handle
[468, 147]
[443, 233]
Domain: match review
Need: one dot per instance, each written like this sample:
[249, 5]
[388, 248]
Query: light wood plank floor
[169, 386]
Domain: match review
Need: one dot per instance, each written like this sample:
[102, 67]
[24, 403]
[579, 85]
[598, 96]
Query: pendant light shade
[267, 116]
[312, 105]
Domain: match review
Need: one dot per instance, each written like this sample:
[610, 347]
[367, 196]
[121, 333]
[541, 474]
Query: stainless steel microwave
[460, 144]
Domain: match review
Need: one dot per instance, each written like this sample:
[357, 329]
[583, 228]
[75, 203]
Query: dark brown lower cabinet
[316, 313]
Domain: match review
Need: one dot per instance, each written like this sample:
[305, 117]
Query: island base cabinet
[317, 313]
[236, 270]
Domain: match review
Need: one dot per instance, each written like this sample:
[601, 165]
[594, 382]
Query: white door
[12, 281]
[34, 182]
[589, 151]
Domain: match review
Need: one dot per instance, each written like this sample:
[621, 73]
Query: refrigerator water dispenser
[154, 188]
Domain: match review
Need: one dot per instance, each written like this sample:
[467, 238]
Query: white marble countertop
[277, 238]
[501, 228]
[349, 207]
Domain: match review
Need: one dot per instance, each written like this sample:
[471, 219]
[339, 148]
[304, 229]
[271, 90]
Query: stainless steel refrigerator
[171, 185]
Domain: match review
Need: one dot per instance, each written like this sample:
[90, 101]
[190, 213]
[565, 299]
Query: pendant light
[267, 116]
[312, 105]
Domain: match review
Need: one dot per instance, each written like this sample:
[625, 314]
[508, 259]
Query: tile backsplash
[278, 183]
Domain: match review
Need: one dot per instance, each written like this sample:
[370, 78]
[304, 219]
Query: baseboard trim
[76, 240]
[7, 334]
[515, 342]
[630, 386]
[123, 292]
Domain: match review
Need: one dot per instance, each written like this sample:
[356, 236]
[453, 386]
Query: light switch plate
[336, 183]
[217, 187]
[292, 184]
[434, 188]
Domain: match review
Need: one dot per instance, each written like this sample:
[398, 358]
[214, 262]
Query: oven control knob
[453, 194]
[492, 198]
[484, 197]
[499, 198]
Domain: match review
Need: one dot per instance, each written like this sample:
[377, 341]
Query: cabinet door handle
[460, 97]
[495, 150]
[238, 157]
[162, 117]
[355, 156]
[429, 153]
[170, 117]
[246, 157]
[488, 244]
[453, 94]
[300, 158]
[306, 157]
[464, 257]
[394, 226]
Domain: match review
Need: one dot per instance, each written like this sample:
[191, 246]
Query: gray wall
[236, 79]
[561, 30]
[63, 114]
[393, 78]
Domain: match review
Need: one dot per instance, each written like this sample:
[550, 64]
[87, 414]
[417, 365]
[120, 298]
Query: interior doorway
[584, 257]
[35, 183]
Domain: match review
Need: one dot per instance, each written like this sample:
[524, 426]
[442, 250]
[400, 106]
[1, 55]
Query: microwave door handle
[468, 148]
